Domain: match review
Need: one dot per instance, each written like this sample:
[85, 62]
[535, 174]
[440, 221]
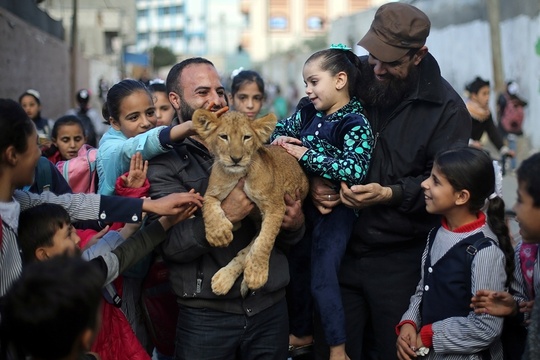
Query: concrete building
[236, 33]
[276, 26]
[33, 55]
[209, 28]
[105, 29]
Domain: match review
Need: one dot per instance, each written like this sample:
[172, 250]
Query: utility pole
[493, 11]
[73, 51]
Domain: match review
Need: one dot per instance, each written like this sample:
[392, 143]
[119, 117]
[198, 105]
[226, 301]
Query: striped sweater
[79, 207]
[461, 338]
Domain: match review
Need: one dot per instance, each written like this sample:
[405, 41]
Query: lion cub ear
[204, 122]
[264, 126]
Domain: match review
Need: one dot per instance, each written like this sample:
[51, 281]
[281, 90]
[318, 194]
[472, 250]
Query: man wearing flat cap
[414, 114]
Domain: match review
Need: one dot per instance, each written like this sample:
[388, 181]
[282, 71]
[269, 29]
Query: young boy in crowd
[52, 311]
[46, 231]
[517, 304]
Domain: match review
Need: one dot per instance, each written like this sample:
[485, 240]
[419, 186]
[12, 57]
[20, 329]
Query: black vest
[447, 284]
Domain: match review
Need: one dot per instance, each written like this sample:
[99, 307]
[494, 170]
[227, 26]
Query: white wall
[464, 51]
[462, 48]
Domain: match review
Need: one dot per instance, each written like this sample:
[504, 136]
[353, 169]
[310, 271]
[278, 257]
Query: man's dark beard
[186, 111]
[386, 94]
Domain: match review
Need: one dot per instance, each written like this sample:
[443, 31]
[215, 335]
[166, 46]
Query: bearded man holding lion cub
[228, 326]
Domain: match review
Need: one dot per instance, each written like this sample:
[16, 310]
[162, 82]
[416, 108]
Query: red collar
[478, 223]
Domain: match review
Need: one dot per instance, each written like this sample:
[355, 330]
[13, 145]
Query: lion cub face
[233, 138]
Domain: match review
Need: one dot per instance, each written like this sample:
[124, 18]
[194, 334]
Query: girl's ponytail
[497, 223]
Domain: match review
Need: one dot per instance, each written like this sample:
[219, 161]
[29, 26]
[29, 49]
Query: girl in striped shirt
[471, 250]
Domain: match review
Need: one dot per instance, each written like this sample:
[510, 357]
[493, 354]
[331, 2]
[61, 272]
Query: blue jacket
[115, 151]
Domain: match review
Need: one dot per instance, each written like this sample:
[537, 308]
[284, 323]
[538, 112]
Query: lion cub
[238, 145]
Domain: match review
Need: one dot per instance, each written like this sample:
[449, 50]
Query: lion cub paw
[219, 234]
[222, 281]
[255, 273]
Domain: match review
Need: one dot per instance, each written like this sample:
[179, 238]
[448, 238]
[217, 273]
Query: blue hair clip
[340, 46]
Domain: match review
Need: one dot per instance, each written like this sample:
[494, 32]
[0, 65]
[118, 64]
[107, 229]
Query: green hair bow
[340, 46]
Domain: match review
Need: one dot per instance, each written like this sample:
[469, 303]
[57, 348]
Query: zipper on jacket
[200, 277]
[375, 139]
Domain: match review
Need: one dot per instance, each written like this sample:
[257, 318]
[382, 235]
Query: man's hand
[361, 196]
[237, 205]
[323, 194]
[294, 216]
[496, 303]
[172, 204]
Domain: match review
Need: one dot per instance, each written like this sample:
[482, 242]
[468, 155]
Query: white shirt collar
[9, 211]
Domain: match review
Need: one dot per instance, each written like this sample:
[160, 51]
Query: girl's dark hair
[474, 86]
[15, 126]
[336, 60]
[66, 120]
[471, 169]
[61, 121]
[37, 226]
[528, 174]
[48, 308]
[117, 93]
[246, 76]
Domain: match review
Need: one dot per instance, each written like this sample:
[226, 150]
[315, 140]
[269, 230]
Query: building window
[178, 9]
[171, 10]
[315, 23]
[164, 11]
[143, 36]
[109, 40]
[171, 34]
[278, 23]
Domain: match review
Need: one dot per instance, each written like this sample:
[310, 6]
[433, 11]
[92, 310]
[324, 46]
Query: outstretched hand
[137, 172]
[97, 236]
[187, 205]
[218, 111]
[172, 204]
